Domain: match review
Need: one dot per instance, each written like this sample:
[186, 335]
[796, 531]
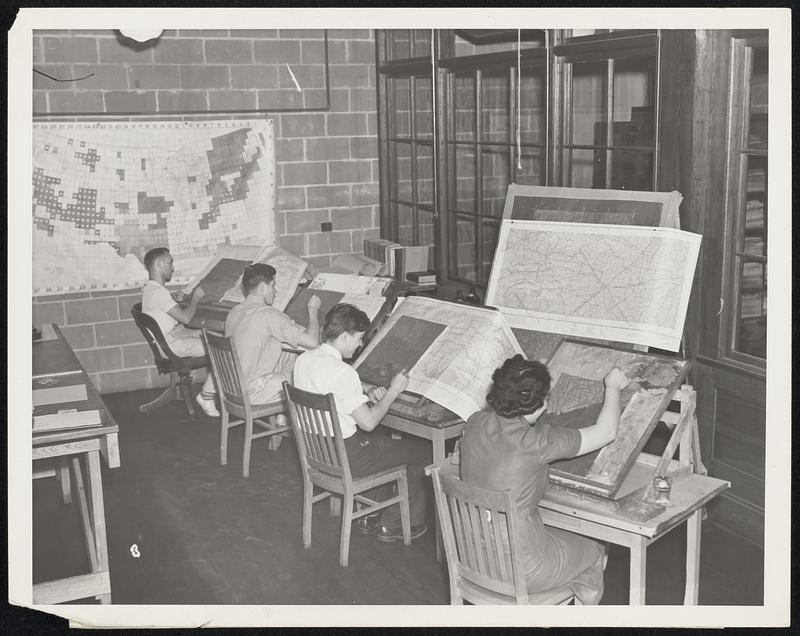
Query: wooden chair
[236, 402]
[323, 461]
[481, 541]
[180, 369]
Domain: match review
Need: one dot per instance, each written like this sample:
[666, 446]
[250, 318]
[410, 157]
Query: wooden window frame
[736, 199]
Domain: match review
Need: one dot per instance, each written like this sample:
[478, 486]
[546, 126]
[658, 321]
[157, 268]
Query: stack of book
[399, 259]
[422, 278]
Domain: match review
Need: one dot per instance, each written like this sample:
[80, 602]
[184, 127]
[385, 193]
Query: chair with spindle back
[324, 463]
[482, 545]
[236, 402]
[180, 369]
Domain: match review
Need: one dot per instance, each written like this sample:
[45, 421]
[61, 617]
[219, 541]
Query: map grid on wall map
[106, 192]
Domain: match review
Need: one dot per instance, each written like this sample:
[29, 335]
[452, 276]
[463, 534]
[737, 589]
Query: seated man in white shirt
[158, 303]
[323, 370]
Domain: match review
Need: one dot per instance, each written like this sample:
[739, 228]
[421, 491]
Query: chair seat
[481, 596]
[336, 484]
[182, 364]
[257, 410]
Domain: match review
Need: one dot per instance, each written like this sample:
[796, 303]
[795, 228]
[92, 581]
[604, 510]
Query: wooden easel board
[589, 205]
[577, 370]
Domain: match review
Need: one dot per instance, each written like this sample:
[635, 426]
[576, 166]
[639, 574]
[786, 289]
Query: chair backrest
[317, 431]
[227, 369]
[162, 354]
[479, 531]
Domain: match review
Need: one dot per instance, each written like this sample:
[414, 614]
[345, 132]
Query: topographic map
[624, 283]
[106, 192]
[450, 351]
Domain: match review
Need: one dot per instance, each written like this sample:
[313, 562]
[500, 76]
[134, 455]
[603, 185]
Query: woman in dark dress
[505, 449]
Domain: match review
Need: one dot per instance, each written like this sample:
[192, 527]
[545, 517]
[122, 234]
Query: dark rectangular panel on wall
[180, 72]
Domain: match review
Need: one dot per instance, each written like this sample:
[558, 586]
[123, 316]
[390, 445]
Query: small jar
[662, 488]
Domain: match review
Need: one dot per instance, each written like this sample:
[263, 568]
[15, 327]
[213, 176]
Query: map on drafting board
[587, 205]
[449, 350]
[576, 396]
[232, 259]
[622, 283]
[104, 193]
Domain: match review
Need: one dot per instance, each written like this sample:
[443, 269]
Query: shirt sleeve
[349, 394]
[552, 443]
[163, 300]
[284, 328]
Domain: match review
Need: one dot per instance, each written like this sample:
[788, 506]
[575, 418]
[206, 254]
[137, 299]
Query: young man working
[323, 370]
[158, 303]
[258, 329]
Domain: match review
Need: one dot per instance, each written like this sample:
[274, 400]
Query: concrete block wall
[326, 162]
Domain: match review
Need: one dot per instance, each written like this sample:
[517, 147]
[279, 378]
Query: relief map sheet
[613, 282]
[576, 397]
[450, 351]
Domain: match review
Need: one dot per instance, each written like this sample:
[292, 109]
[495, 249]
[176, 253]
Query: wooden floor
[205, 535]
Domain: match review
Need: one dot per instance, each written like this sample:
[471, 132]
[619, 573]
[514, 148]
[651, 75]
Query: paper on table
[351, 284]
[59, 394]
[66, 420]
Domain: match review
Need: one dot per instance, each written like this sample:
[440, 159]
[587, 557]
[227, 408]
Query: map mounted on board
[612, 282]
[449, 350]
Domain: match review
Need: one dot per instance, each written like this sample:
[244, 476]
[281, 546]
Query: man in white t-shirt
[158, 303]
[323, 370]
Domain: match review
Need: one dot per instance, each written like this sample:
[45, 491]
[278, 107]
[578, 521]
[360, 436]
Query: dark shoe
[396, 534]
[368, 524]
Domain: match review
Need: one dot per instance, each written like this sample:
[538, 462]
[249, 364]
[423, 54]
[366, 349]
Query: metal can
[662, 488]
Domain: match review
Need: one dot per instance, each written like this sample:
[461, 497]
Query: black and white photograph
[349, 317]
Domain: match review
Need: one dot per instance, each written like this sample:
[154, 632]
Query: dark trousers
[375, 451]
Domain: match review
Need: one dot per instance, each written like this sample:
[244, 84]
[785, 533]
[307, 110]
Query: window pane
[751, 329]
[424, 174]
[464, 178]
[464, 107]
[634, 95]
[755, 221]
[589, 92]
[405, 222]
[495, 112]
[426, 230]
[402, 108]
[401, 45]
[759, 84]
[533, 169]
[490, 232]
[496, 176]
[631, 170]
[423, 110]
[586, 168]
[402, 153]
[422, 42]
[532, 125]
[463, 248]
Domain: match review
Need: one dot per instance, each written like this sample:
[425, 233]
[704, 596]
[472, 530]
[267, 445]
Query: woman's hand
[616, 379]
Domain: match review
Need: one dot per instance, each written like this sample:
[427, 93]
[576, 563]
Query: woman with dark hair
[505, 449]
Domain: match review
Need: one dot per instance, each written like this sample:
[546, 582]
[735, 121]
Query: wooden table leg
[98, 519]
[693, 528]
[83, 507]
[437, 439]
[63, 477]
[638, 571]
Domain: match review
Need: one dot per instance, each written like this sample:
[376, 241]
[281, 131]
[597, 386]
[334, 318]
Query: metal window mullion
[478, 171]
[609, 118]
[412, 96]
[512, 118]
[657, 113]
[391, 107]
[566, 161]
